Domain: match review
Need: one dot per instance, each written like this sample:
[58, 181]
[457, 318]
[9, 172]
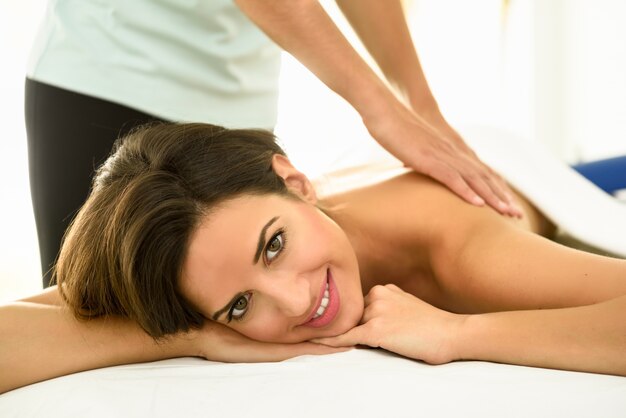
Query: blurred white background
[546, 70]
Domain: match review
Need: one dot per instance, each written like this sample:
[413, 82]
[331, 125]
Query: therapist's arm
[41, 339]
[303, 28]
[383, 29]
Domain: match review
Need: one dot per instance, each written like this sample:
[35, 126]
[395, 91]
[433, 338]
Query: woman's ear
[296, 182]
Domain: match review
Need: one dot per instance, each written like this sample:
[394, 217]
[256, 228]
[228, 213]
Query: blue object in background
[609, 174]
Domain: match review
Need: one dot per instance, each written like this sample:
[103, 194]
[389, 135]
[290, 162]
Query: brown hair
[124, 252]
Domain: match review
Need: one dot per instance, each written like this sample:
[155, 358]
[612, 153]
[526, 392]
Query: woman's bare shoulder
[418, 203]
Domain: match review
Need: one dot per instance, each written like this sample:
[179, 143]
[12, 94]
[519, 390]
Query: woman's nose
[291, 293]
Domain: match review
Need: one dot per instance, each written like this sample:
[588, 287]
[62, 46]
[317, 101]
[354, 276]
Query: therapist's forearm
[586, 338]
[382, 27]
[304, 29]
[39, 342]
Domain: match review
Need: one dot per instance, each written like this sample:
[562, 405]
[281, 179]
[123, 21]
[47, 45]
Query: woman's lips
[332, 308]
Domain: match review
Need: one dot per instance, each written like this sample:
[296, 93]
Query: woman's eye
[239, 308]
[274, 247]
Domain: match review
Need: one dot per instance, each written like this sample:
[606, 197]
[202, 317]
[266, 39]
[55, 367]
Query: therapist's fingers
[442, 155]
[495, 190]
[471, 180]
[494, 181]
[504, 186]
[489, 190]
[451, 177]
[505, 193]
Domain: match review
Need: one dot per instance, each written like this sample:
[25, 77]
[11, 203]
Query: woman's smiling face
[273, 268]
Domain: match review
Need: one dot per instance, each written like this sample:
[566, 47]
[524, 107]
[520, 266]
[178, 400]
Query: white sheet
[363, 383]
[367, 383]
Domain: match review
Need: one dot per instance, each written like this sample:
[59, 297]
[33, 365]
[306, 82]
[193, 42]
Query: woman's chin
[347, 318]
[344, 323]
[341, 325]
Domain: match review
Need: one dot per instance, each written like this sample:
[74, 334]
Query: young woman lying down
[202, 241]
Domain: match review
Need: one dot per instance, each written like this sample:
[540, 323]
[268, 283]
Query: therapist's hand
[305, 30]
[398, 321]
[433, 148]
[218, 342]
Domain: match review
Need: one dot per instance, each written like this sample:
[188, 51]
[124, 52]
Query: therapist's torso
[182, 60]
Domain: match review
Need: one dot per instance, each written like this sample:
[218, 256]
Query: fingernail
[478, 201]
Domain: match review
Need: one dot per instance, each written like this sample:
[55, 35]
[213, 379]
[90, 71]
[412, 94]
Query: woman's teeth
[323, 304]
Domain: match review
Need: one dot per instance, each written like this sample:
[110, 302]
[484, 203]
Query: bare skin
[42, 323]
[406, 119]
[437, 274]
[422, 244]
[422, 228]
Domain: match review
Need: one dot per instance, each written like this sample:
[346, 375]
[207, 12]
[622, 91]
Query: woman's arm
[40, 341]
[303, 28]
[485, 263]
[585, 338]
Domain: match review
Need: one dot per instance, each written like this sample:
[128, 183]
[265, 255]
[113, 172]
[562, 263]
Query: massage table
[370, 382]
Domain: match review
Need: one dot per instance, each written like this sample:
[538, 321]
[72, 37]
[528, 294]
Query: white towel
[579, 208]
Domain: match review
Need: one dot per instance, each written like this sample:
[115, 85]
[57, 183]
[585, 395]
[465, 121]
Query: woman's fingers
[400, 322]
[256, 351]
[279, 352]
[356, 335]
[224, 344]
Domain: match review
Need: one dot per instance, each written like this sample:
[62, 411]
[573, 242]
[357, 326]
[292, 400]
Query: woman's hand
[400, 322]
[220, 343]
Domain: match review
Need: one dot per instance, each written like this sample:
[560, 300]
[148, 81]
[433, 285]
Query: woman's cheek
[262, 332]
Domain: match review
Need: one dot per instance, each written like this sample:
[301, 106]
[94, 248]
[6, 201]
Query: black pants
[69, 136]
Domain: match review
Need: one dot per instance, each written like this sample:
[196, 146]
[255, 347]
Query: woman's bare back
[413, 232]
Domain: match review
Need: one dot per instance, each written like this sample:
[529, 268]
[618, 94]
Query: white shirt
[181, 60]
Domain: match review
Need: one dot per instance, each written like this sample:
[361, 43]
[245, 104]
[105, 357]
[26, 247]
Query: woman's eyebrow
[261, 243]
